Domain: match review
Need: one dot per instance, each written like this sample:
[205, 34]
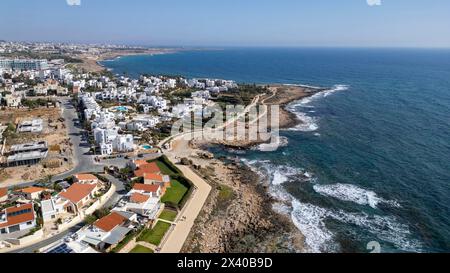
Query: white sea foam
[386, 228]
[303, 85]
[310, 220]
[279, 142]
[352, 193]
[308, 123]
[277, 175]
[281, 208]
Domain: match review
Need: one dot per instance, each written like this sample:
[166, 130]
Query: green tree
[90, 219]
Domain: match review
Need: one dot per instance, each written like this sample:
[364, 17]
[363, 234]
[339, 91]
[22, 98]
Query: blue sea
[371, 163]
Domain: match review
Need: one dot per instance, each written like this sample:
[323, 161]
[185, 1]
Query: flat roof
[116, 235]
[27, 156]
[29, 146]
[47, 206]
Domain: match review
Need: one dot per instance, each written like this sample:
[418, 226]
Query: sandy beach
[91, 62]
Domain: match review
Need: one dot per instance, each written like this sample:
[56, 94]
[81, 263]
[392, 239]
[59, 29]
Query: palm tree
[49, 179]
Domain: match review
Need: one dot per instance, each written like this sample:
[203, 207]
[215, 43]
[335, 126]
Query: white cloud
[73, 2]
[374, 2]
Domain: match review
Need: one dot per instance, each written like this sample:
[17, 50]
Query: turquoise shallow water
[377, 151]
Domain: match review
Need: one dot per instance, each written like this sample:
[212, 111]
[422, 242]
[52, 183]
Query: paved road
[192, 134]
[37, 246]
[121, 162]
[83, 161]
[120, 192]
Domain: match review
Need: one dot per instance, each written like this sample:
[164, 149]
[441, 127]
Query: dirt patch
[60, 156]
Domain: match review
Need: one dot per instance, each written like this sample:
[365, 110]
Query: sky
[290, 23]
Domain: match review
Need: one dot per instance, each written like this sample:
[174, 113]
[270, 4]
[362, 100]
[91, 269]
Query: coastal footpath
[238, 214]
[187, 216]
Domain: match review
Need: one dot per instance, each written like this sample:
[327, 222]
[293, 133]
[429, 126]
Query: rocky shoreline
[244, 221]
[286, 94]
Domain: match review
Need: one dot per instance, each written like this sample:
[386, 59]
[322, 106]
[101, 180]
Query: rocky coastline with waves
[242, 213]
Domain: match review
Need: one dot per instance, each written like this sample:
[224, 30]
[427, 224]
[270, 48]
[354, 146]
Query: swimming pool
[121, 108]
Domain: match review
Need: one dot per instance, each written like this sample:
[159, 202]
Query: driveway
[83, 160]
[35, 247]
[120, 192]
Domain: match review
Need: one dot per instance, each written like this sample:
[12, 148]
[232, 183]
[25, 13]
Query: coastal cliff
[238, 215]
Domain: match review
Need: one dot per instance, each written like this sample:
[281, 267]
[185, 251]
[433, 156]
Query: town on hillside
[82, 166]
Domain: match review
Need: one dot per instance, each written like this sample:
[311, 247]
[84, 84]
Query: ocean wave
[308, 123]
[277, 174]
[281, 208]
[352, 193]
[303, 85]
[310, 220]
[386, 228]
[279, 142]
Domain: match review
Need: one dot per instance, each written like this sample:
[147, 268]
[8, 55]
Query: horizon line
[131, 44]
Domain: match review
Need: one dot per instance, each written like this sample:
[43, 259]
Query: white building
[106, 148]
[147, 121]
[143, 200]
[50, 209]
[108, 231]
[102, 135]
[123, 143]
[171, 83]
[12, 100]
[18, 218]
[157, 102]
[31, 126]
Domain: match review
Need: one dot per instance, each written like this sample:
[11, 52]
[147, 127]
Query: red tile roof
[140, 162]
[3, 192]
[25, 214]
[85, 176]
[77, 192]
[32, 190]
[154, 177]
[139, 198]
[147, 168]
[110, 221]
[145, 188]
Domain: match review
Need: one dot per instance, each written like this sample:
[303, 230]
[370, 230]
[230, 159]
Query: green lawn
[155, 235]
[141, 249]
[168, 215]
[175, 193]
[164, 168]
